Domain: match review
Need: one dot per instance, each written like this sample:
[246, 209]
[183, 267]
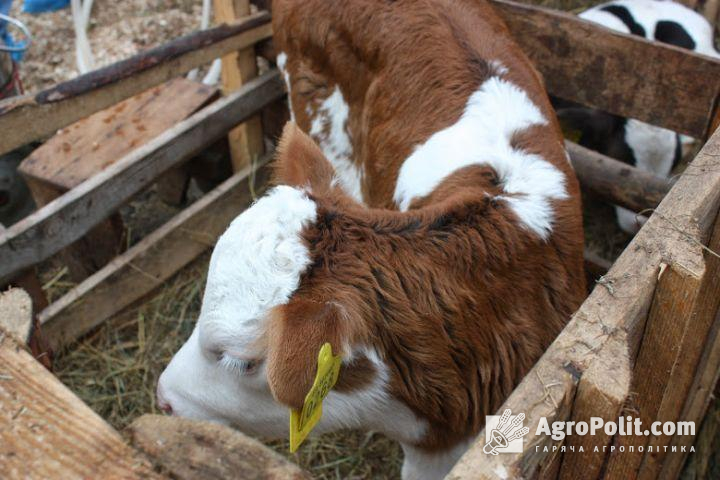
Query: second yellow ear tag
[303, 421]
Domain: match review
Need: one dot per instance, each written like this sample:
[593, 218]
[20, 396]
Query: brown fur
[455, 295]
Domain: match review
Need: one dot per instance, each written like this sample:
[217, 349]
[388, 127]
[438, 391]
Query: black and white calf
[647, 147]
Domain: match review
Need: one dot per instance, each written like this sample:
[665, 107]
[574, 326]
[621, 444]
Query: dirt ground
[115, 369]
[117, 30]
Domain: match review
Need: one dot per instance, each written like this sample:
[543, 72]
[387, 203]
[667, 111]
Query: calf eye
[238, 365]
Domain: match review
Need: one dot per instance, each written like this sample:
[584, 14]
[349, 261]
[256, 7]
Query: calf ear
[300, 162]
[297, 331]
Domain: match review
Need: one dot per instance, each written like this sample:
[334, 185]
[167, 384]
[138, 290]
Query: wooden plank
[190, 449]
[685, 353]
[246, 140]
[153, 260]
[42, 114]
[660, 351]
[616, 182]
[602, 392]
[698, 399]
[616, 310]
[552, 390]
[92, 144]
[69, 217]
[48, 432]
[622, 74]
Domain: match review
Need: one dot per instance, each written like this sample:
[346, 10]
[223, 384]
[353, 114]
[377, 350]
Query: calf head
[253, 352]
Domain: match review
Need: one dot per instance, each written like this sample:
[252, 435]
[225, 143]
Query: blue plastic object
[40, 6]
[5, 37]
[4, 9]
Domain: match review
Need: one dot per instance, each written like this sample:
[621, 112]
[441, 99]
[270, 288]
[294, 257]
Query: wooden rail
[616, 182]
[70, 216]
[622, 74]
[657, 304]
[42, 114]
[663, 292]
[144, 267]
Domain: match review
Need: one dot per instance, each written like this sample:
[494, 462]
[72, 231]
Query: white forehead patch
[256, 265]
[329, 130]
[483, 136]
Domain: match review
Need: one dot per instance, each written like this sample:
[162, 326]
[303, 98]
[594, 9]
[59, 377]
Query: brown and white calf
[434, 238]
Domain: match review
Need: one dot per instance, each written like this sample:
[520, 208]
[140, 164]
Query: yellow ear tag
[303, 421]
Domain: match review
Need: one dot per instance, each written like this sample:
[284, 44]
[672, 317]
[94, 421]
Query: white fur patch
[281, 64]
[256, 265]
[329, 130]
[654, 152]
[606, 19]
[653, 147]
[197, 386]
[482, 136]
[629, 221]
[647, 13]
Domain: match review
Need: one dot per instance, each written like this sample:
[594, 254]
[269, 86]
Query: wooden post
[246, 141]
[16, 314]
[28, 281]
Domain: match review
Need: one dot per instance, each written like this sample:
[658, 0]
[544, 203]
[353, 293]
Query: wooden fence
[645, 340]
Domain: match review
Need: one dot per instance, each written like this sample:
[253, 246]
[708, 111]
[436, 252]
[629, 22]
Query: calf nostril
[165, 407]
[163, 404]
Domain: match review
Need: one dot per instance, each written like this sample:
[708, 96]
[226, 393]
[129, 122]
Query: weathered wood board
[246, 140]
[604, 336]
[188, 449]
[146, 265]
[42, 114]
[69, 217]
[616, 182]
[92, 144]
[16, 314]
[48, 432]
[622, 74]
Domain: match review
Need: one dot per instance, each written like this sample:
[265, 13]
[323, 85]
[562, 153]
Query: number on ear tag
[303, 421]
